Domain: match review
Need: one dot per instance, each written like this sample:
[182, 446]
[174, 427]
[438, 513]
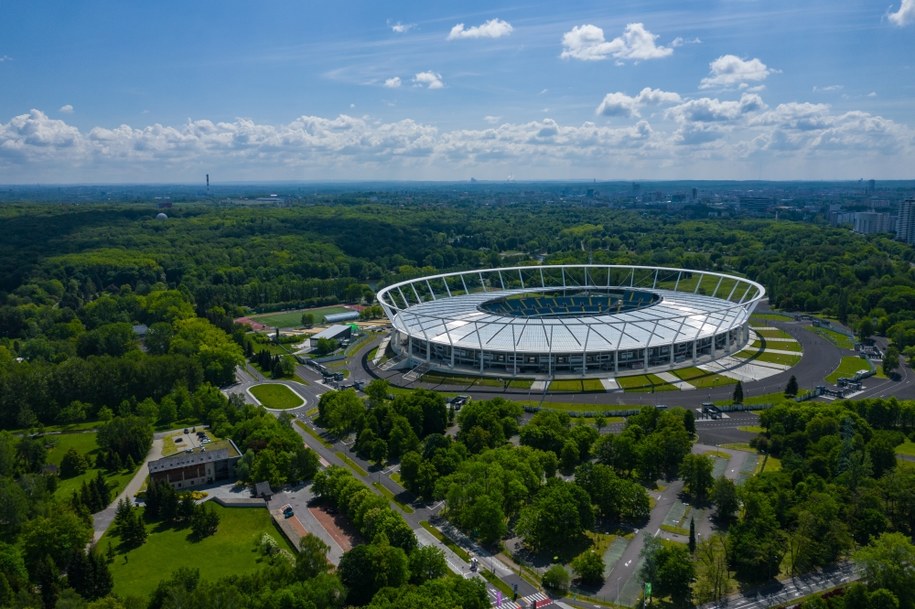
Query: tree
[737, 398]
[369, 567]
[692, 536]
[308, 319]
[696, 472]
[557, 579]
[890, 360]
[724, 496]
[560, 513]
[325, 346]
[712, 573]
[129, 436]
[427, 563]
[791, 388]
[204, 522]
[887, 563]
[72, 464]
[589, 566]
[312, 557]
[865, 329]
[55, 537]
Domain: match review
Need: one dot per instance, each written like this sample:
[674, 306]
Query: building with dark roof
[197, 466]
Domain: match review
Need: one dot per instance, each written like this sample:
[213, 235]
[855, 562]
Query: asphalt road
[820, 358]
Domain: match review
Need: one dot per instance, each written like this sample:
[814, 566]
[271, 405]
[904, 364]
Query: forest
[115, 320]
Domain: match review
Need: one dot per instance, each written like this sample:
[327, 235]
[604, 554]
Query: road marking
[656, 532]
[628, 561]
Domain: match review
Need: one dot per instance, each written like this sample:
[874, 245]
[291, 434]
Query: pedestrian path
[610, 384]
[538, 599]
[675, 381]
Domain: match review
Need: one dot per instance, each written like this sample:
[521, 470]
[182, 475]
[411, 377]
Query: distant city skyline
[99, 92]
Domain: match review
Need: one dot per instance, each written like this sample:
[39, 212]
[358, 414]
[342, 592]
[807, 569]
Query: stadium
[568, 320]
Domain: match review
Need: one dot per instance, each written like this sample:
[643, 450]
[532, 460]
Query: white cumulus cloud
[706, 137]
[730, 70]
[587, 43]
[392, 83]
[905, 15]
[430, 80]
[66, 109]
[401, 28]
[494, 28]
[620, 104]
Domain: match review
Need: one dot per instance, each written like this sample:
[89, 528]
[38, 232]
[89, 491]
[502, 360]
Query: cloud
[393, 82]
[730, 70]
[492, 120]
[587, 43]
[828, 88]
[401, 28]
[66, 109]
[5, 58]
[711, 110]
[704, 138]
[430, 80]
[620, 104]
[905, 15]
[494, 28]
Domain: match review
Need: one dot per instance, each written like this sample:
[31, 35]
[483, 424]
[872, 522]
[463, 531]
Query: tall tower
[905, 225]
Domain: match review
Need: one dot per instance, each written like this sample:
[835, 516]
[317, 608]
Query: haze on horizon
[100, 92]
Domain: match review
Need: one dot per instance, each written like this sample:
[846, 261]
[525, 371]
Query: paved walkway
[102, 520]
[675, 381]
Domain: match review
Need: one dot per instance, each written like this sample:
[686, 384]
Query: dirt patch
[331, 523]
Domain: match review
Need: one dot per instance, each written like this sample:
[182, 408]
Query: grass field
[843, 341]
[772, 358]
[906, 448]
[84, 443]
[572, 407]
[469, 381]
[577, 385]
[702, 379]
[849, 365]
[231, 551]
[756, 317]
[279, 397]
[293, 319]
[780, 345]
[771, 333]
[644, 383]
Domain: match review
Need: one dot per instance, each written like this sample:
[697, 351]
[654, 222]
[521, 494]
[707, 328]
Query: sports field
[293, 319]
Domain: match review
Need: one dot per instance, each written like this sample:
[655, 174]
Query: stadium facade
[569, 320]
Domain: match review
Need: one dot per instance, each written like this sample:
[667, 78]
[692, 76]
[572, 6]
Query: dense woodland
[76, 280]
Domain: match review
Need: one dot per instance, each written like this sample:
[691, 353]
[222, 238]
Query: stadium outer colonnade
[547, 321]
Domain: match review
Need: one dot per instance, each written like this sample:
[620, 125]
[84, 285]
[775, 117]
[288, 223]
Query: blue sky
[120, 91]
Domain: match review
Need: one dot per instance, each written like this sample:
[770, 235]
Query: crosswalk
[526, 602]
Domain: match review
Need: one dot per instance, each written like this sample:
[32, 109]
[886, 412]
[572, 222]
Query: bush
[557, 579]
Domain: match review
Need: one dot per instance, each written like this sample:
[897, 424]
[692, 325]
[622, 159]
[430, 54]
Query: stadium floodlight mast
[577, 321]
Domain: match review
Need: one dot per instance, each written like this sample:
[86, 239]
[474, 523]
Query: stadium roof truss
[592, 320]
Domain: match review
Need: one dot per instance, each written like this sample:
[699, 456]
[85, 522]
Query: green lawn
[231, 551]
[576, 385]
[756, 317]
[781, 345]
[773, 358]
[293, 319]
[906, 448]
[276, 396]
[772, 333]
[849, 365]
[573, 407]
[59, 444]
[843, 341]
[644, 383]
[700, 378]
[84, 443]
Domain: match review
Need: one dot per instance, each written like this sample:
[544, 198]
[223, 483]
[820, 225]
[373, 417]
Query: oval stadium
[568, 320]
